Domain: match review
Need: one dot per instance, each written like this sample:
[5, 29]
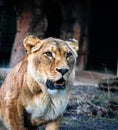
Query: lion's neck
[57, 106]
[47, 107]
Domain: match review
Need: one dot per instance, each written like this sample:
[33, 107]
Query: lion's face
[51, 61]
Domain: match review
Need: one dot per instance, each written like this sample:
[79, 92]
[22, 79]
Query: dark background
[102, 33]
[7, 31]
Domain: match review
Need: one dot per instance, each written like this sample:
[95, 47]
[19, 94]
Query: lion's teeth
[55, 83]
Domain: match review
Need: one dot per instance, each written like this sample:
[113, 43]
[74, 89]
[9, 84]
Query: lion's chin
[58, 85]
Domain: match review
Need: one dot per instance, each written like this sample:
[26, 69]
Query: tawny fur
[25, 100]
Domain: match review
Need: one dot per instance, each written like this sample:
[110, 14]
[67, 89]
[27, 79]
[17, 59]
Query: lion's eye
[49, 54]
[69, 55]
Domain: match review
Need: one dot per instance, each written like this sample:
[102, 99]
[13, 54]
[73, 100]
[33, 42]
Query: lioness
[37, 90]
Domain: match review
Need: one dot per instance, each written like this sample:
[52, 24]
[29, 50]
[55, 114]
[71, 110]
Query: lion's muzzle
[59, 84]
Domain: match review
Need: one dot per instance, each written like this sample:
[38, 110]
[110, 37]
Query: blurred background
[92, 23]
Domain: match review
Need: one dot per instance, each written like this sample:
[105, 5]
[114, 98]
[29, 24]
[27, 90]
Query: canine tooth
[55, 83]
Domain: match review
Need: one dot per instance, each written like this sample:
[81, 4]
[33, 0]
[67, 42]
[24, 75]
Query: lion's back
[12, 81]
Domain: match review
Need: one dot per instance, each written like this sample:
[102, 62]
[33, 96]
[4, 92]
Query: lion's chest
[48, 110]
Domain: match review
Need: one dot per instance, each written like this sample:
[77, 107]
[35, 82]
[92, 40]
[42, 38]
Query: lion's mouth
[59, 84]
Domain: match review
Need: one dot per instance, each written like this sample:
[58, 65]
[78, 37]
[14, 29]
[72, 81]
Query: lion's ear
[30, 42]
[74, 45]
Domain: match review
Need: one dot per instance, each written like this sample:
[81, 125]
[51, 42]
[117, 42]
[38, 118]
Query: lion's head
[51, 61]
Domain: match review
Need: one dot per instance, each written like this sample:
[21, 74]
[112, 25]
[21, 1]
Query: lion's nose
[62, 71]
